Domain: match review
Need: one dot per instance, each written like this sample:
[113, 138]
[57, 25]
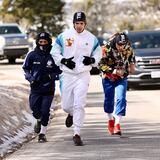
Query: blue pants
[111, 89]
[40, 106]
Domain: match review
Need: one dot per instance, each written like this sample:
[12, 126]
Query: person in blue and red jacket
[117, 62]
[41, 71]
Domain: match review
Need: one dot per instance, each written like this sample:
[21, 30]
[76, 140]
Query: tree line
[38, 15]
[103, 16]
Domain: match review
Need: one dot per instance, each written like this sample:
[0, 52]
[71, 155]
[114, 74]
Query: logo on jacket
[36, 62]
[49, 64]
[69, 42]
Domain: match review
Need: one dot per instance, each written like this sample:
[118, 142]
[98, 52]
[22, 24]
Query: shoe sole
[118, 133]
[78, 144]
[110, 133]
[42, 141]
[68, 125]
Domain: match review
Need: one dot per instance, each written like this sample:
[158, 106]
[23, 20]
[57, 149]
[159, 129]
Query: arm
[132, 62]
[27, 66]
[57, 54]
[96, 52]
[103, 63]
[57, 50]
[131, 68]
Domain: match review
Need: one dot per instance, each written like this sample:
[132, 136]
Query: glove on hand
[68, 62]
[34, 84]
[88, 60]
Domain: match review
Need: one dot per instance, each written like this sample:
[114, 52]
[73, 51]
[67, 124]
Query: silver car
[13, 42]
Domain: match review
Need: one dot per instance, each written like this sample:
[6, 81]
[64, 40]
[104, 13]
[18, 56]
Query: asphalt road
[140, 139]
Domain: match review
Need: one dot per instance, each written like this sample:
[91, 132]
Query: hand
[120, 72]
[131, 68]
[34, 84]
[88, 60]
[68, 62]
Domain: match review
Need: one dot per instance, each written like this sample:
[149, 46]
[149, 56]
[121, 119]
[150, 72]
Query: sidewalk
[140, 139]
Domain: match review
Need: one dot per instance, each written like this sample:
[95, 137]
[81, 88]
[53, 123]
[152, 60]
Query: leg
[35, 105]
[67, 85]
[35, 101]
[80, 94]
[45, 109]
[121, 88]
[109, 90]
[45, 113]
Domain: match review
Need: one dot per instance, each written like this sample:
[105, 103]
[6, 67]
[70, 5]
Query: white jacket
[72, 44]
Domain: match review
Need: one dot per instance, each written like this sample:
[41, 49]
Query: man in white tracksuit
[76, 51]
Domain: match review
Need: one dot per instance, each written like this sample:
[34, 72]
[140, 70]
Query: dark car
[146, 45]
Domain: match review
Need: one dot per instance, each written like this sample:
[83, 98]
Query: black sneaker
[42, 138]
[77, 140]
[69, 121]
[37, 127]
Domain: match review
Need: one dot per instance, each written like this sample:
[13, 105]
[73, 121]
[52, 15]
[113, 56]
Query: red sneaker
[117, 129]
[111, 127]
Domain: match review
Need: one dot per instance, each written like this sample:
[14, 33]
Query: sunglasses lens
[121, 44]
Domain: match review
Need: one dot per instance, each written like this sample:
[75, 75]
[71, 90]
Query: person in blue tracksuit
[40, 70]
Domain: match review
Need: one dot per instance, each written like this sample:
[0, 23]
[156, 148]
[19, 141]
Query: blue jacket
[40, 68]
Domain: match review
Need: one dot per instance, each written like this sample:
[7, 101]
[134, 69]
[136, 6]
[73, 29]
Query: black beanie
[44, 35]
[79, 16]
[121, 38]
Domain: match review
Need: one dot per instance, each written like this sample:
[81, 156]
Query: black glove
[34, 84]
[88, 60]
[68, 62]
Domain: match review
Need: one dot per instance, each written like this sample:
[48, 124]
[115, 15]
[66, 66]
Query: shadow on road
[145, 88]
[140, 140]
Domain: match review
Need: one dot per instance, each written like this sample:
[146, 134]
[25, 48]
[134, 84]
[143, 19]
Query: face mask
[45, 48]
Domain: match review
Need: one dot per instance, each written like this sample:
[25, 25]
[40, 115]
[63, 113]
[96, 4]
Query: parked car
[13, 42]
[146, 45]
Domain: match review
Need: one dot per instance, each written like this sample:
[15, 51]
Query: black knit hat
[44, 35]
[121, 38]
[79, 16]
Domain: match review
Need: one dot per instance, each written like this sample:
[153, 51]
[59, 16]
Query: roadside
[140, 128]
[140, 132]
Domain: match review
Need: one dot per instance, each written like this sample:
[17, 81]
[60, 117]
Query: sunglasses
[121, 44]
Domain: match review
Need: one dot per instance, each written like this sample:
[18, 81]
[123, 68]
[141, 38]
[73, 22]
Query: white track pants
[74, 93]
